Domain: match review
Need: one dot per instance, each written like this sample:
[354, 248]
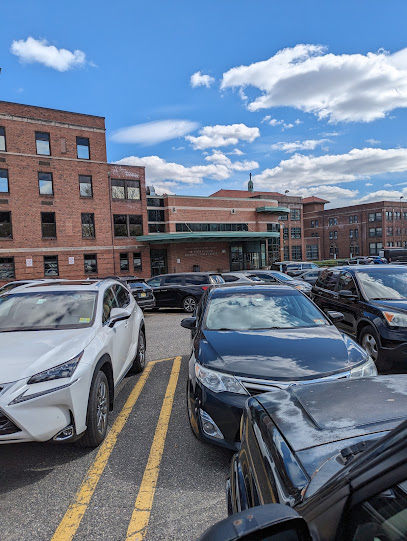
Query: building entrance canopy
[208, 236]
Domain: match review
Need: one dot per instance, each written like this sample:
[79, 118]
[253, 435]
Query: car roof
[374, 268]
[218, 290]
[321, 413]
[184, 274]
[73, 285]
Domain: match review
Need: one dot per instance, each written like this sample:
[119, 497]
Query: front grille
[7, 426]
[258, 386]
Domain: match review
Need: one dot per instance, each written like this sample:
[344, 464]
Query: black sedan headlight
[218, 382]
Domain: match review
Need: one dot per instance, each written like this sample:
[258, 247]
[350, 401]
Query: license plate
[142, 294]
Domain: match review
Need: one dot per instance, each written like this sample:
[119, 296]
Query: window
[85, 186]
[285, 233]
[2, 140]
[286, 253]
[88, 225]
[90, 263]
[351, 233]
[127, 225]
[177, 279]
[4, 181]
[314, 223]
[351, 219]
[155, 202]
[375, 232]
[82, 148]
[7, 268]
[333, 250]
[390, 244]
[295, 214]
[156, 216]
[389, 231]
[283, 217]
[48, 225]
[122, 296]
[51, 265]
[371, 217]
[109, 302]
[404, 215]
[354, 250]
[156, 228]
[124, 262]
[333, 235]
[356, 233]
[296, 253]
[355, 219]
[196, 279]
[347, 283]
[397, 215]
[378, 216]
[273, 228]
[374, 248]
[296, 232]
[42, 143]
[137, 261]
[5, 225]
[331, 280]
[397, 231]
[125, 189]
[389, 215]
[45, 184]
[375, 217]
[333, 221]
[312, 251]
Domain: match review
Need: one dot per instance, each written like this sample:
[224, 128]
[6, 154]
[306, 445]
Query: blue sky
[307, 96]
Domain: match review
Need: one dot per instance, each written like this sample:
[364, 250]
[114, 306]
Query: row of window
[51, 264]
[314, 223]
[193, 227]
[43, 144]
[121, 189]
[353, 233]
[353, 250]
[312, 251]
[295, 215]
[124, 225]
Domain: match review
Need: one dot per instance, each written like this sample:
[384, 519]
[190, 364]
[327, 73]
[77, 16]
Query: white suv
[64, 347]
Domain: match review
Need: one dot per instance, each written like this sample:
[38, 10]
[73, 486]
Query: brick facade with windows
[46, 179]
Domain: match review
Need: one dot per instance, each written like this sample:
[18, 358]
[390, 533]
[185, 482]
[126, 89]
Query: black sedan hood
[395, 304]
[280, 354]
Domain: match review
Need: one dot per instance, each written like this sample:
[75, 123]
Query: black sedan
[248, 339]
[327, 451]
[142, 293]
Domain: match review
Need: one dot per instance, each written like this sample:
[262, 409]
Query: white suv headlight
[218, 382]
[396, 319]
[64, 370]
[364, 370]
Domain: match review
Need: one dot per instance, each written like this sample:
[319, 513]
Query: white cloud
[298, 121]
[326, 192]
[220, 136]
[218, 157]
[236, 152]
[275, 122]
[38, 50]
[287, 126]
[303, 171]
[383, 195]
[267, 118]
[151, 133]
[368, 184]
[199, 79]
[373, 142]
[347, 87]
[309, 144]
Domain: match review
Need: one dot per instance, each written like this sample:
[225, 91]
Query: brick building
[57, 215]
[65, 211]
[355, 230]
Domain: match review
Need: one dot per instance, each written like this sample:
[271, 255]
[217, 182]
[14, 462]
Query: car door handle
[163, 290]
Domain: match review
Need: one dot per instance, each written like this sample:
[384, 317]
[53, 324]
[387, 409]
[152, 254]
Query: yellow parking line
[141, 514]
[70, 522]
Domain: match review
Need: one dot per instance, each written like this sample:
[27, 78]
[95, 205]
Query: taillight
[204, 288]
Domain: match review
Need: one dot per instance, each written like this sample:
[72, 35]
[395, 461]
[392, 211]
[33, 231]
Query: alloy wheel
[101, 408]
[142, 351]
[189, 304]
[370, 345]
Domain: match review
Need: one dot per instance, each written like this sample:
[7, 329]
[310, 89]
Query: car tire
[370, 341]
[98, 412]
[189, 304]
[189, 413]
[139, 362]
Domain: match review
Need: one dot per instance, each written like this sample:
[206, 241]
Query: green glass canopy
[207, 236]
[276, 210]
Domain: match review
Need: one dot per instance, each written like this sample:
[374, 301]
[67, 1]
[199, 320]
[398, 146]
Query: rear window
[230, 278]
[217, 279]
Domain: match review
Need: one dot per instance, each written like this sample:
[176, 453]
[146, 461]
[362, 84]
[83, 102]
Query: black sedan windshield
[49, 310]
[384, 284]
[245, 311]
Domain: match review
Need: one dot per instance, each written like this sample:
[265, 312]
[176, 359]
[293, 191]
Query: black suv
[182, 290]
[373, 300]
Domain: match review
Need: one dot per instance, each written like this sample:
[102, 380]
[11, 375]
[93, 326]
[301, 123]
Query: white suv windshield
[46, 311]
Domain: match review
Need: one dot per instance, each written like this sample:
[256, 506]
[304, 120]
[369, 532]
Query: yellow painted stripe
[70, 523]
[141, 514]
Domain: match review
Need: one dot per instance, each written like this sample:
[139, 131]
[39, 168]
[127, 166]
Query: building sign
[71, 261]
[123, 172]
[200, 252]
[29, 262]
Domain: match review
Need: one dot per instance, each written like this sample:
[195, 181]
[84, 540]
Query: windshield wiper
[388, 298]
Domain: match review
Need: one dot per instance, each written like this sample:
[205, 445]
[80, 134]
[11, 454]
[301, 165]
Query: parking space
[151, 479]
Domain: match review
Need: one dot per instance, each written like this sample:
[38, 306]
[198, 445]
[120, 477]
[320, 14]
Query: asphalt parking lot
[151, 479]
